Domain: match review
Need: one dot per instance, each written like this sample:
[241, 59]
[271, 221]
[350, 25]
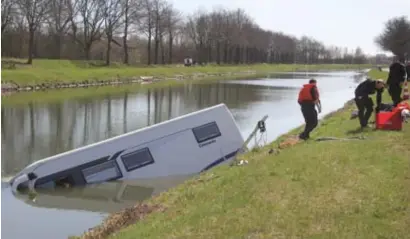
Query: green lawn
[66, 70]
[330, 189]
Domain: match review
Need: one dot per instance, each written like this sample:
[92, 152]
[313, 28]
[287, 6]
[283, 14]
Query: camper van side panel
[188, 148]
[229, 142]
[181, 153]
[173, 155]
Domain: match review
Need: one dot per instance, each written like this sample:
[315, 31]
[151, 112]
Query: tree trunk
[156, 39]
[149, 48]
[171, 39]
[218, 52]
[226, 52]
[125, 47]
[237, 55]
[200, 51]
[58, 42]
[156, 47]
[210, 52]
[124, 38]
[161, 42]
[108, 52]
[87, 51]
[30, 45]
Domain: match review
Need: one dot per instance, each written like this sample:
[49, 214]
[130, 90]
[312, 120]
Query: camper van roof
[40, 162]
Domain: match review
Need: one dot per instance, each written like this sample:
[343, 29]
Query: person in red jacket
[308, 99]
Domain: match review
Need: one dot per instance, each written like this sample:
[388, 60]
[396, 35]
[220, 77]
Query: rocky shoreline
[11, 87]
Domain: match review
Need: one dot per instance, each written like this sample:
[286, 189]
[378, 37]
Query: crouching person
[308, 98]
[364, 103]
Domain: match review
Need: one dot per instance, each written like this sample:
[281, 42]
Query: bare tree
[113, 13]
[228, 29]
[60, 15]
[91, 14]
[6, 13]
[130, 15]
[147, 24]
[198, 28]
[34, 11]
[172, 21]
[159, 10]
[220, 32]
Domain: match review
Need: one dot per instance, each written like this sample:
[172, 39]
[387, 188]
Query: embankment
[55, 95]
[48, 75]
[45, 71]
[329, 189]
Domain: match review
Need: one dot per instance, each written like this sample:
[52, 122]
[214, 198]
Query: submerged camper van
[181, 146]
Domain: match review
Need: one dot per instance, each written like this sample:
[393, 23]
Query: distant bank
[43, 71]
[45, 75]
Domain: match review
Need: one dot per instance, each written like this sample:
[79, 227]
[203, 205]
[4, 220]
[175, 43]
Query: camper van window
[206, 132]
[102, 172]
[137, 159]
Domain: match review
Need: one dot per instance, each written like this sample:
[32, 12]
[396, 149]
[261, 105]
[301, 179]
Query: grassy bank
[330, 189]
[56, 95]
[65, 70]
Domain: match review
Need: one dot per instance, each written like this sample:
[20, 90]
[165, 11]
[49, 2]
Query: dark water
[33, 132]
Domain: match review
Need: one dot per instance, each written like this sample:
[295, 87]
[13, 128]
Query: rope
[342, 139]
[259, 142]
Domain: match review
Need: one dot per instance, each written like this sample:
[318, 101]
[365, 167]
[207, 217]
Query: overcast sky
[345, 23]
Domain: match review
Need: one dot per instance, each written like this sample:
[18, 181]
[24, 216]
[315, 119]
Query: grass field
[330, 189]
[66, 70]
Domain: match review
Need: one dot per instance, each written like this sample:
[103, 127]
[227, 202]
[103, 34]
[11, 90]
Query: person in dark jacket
[397, 75]
[308, 98]
[364, 103]
[408, 70]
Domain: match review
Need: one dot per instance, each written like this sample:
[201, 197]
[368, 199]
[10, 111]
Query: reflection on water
[106, 197]
[34, 132]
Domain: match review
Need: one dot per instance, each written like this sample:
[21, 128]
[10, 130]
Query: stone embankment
[12, 87]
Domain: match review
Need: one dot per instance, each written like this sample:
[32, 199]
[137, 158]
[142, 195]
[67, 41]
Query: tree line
[151, 32]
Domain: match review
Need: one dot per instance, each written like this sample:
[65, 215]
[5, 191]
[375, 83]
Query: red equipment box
[389, 120]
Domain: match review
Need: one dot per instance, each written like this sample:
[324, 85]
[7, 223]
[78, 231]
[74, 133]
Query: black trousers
[310, 114]
[365, 107]
[395, 94]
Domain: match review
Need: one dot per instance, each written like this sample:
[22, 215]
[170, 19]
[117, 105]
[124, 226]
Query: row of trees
[152, 32]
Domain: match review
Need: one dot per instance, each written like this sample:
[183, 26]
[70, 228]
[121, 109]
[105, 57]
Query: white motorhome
[181, 146]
